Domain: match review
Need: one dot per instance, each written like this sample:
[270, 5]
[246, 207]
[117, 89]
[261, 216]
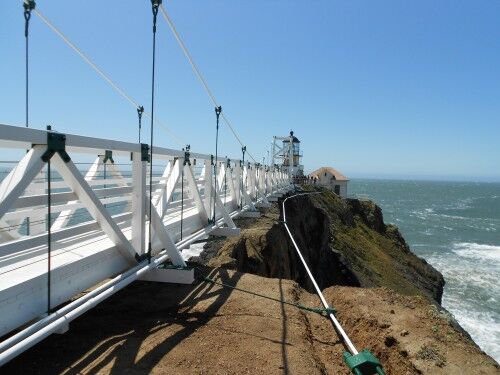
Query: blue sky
[379, 89]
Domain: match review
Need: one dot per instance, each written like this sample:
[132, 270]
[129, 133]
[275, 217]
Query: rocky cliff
[386, 299]
[344, 241]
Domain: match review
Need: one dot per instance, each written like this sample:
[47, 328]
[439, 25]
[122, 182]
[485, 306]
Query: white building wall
[328, 182]
[343, 188]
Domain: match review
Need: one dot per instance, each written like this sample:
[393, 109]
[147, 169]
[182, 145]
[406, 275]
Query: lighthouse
[286, 155]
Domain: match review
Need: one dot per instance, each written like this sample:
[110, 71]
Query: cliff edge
[387, 299]
[344, 241]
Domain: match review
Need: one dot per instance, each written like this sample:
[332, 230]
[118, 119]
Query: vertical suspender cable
[49, 239]
[28, 6]
[218, 111]
[185, 161]
[155, 4]
[182, 196]
[243, 180]
[104, 76]
[140, 111]
[49, 232]
[104, 176]
[198, 73]
[225, 181]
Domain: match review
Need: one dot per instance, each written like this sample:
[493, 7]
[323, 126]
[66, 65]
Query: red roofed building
[332, 179]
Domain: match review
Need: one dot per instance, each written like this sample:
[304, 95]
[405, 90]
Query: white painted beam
[20, 177]
[75, 180]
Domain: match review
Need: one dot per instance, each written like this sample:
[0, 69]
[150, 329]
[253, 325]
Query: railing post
[138, 202]
[262, 181]
[237, 181]
[208, 188]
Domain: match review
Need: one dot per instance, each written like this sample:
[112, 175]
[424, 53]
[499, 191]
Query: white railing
[100, 212]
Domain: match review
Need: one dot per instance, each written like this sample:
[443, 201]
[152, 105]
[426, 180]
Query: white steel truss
[99, 226]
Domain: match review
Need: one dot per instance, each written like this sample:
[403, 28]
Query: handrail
[356, 361]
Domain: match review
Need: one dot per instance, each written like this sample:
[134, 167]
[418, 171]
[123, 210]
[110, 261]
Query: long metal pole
[218, 111]
[155, 5]
[334, 320]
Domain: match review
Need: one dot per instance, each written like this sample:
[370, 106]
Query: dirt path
[207, 329]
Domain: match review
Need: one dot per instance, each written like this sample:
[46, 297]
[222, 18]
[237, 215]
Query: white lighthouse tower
[286, 155]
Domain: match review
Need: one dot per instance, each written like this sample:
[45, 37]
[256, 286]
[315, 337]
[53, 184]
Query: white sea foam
[471, 265]
[477, 251]
[422, 214]
[463, 204]
[472, 272]
[482, 327]
[453, 217]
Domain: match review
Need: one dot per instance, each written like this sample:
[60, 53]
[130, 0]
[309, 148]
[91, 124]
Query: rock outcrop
[344, 241]
[220, 325]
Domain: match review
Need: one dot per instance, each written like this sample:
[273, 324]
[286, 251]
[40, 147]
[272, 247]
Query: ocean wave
[477, 251]
[422, 214]
[472, 290]
[453, 216]
[469, 276]
[482, 326]
[463, 204]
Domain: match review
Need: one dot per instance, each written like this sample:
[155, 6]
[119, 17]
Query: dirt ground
[208, 329]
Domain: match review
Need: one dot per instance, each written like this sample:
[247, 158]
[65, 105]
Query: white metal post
[139, 168]
[208, 188]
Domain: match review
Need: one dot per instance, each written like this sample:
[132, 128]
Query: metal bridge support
[139, 167]
[87, 252]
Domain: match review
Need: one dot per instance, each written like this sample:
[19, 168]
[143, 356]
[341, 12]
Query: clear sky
[373, 88]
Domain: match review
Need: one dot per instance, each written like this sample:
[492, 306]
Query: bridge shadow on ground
[108, 337]
[136, 328]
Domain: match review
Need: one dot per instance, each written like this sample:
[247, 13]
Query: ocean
[455, 226]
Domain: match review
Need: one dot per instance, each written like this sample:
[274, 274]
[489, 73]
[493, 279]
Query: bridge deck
[100, 215]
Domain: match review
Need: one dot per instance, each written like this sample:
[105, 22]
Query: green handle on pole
[363, 363]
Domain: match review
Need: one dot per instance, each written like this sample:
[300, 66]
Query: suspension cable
[185, 161]
[218, 111]
[154, 6]
[198, 73]
[243, 179]
[28, 6]
[182, 199]
[140, 111]
[228, 163]
[49, 232]
[103, 75]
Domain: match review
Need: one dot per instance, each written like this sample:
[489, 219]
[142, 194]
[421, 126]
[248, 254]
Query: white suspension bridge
[67, 226]
[100, 217]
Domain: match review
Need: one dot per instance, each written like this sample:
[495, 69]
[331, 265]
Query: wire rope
[103, 75]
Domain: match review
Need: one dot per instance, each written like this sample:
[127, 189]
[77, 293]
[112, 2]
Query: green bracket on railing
[144, 152]
[108, 155]
[56, 143]
[363, 363]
